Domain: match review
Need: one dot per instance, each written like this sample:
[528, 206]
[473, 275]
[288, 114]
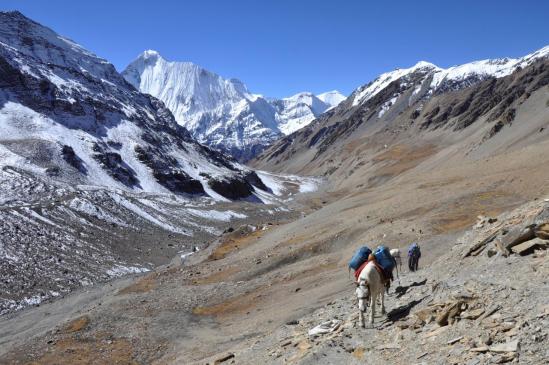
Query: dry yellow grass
[235, 242]
[236, 305]
[72, 351]
[77, 324]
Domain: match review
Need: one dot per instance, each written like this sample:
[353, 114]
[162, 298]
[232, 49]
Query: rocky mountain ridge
[422, 102]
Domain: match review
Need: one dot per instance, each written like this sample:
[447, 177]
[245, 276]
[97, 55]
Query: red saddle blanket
[384, 277]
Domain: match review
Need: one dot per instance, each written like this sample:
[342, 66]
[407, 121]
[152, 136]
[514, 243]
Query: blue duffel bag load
[360, 257]
[384, 258]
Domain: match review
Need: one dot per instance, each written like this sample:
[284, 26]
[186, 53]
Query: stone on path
[511, 346]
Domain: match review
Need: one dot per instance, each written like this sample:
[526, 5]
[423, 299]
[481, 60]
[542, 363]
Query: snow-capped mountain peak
[298, 110]
[499, 67]
[220, 112]
[332, 98]
[368, 91]
[150, 53]
[454, 77]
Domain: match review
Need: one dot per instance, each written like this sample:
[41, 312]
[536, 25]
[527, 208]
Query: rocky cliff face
[59, 100]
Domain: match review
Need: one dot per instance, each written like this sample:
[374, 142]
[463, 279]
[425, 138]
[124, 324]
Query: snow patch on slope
[287, 185]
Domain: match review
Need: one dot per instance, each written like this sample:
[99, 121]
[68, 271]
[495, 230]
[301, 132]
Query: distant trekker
[414, 253]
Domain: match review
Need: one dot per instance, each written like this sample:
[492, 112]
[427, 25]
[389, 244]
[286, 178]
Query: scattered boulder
[450, 312]
[480, 349]
[454, 340]
[491, 310]
[542, 231]
[478, 247]
[491, 252]
[504, 358]
[325, 327]
[528, 247]
[472, 314]
[486, 339]
[224, 358]
[518, 235]
[511, 346]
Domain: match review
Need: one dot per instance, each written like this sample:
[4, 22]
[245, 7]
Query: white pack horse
[369, 288]
[395, 253]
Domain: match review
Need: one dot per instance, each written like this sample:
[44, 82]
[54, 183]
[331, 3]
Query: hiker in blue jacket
[414, 253]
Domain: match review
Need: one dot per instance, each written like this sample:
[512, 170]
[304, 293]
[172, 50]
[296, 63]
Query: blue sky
[282, 47]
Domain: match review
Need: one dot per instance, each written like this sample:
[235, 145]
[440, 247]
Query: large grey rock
[528, 247]
[543, 216]
[517, 236]
[511, 346]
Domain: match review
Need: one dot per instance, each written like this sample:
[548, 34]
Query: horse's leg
[361, 310]
[373, 300]
[382, 302]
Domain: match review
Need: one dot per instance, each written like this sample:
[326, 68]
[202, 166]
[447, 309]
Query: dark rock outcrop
[167, 174]
[252, 178]
[115, 166]
[72, 159]
[234, 187]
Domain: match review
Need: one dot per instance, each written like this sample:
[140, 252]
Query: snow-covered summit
[454, 77]
[382, 81]
[486, 68]
[220, 112]
[332, 98]
[186, 88]
[298, 110]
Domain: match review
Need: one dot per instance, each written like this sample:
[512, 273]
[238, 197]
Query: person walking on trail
[414, 253]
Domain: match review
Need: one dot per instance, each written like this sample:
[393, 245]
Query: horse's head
[363, 294]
